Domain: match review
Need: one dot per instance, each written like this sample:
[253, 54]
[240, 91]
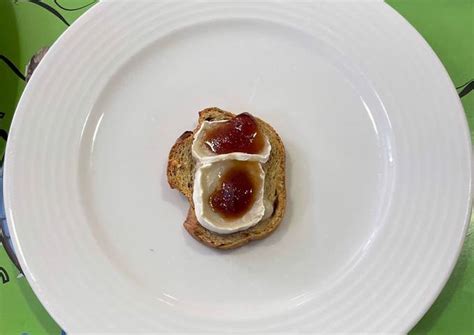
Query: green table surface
[29, 25]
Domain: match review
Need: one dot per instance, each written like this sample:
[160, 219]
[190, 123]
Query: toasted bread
[180, 173]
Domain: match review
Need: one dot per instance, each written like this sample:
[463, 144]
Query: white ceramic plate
[378, 169]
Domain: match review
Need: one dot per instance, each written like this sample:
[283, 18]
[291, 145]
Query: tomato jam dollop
[236, 193]
[240, 134]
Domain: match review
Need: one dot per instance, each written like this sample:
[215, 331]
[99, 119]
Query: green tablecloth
[29, 25]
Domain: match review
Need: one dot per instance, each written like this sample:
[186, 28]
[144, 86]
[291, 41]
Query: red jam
[240, 134]
[236, 194]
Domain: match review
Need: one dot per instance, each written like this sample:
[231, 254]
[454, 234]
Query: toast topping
[236, 192]
[228, 195]
[240, 134]
[238, 138]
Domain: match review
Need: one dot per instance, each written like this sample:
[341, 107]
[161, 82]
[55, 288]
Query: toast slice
[180, 173]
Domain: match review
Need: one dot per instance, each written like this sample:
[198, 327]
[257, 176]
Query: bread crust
[180, 174]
